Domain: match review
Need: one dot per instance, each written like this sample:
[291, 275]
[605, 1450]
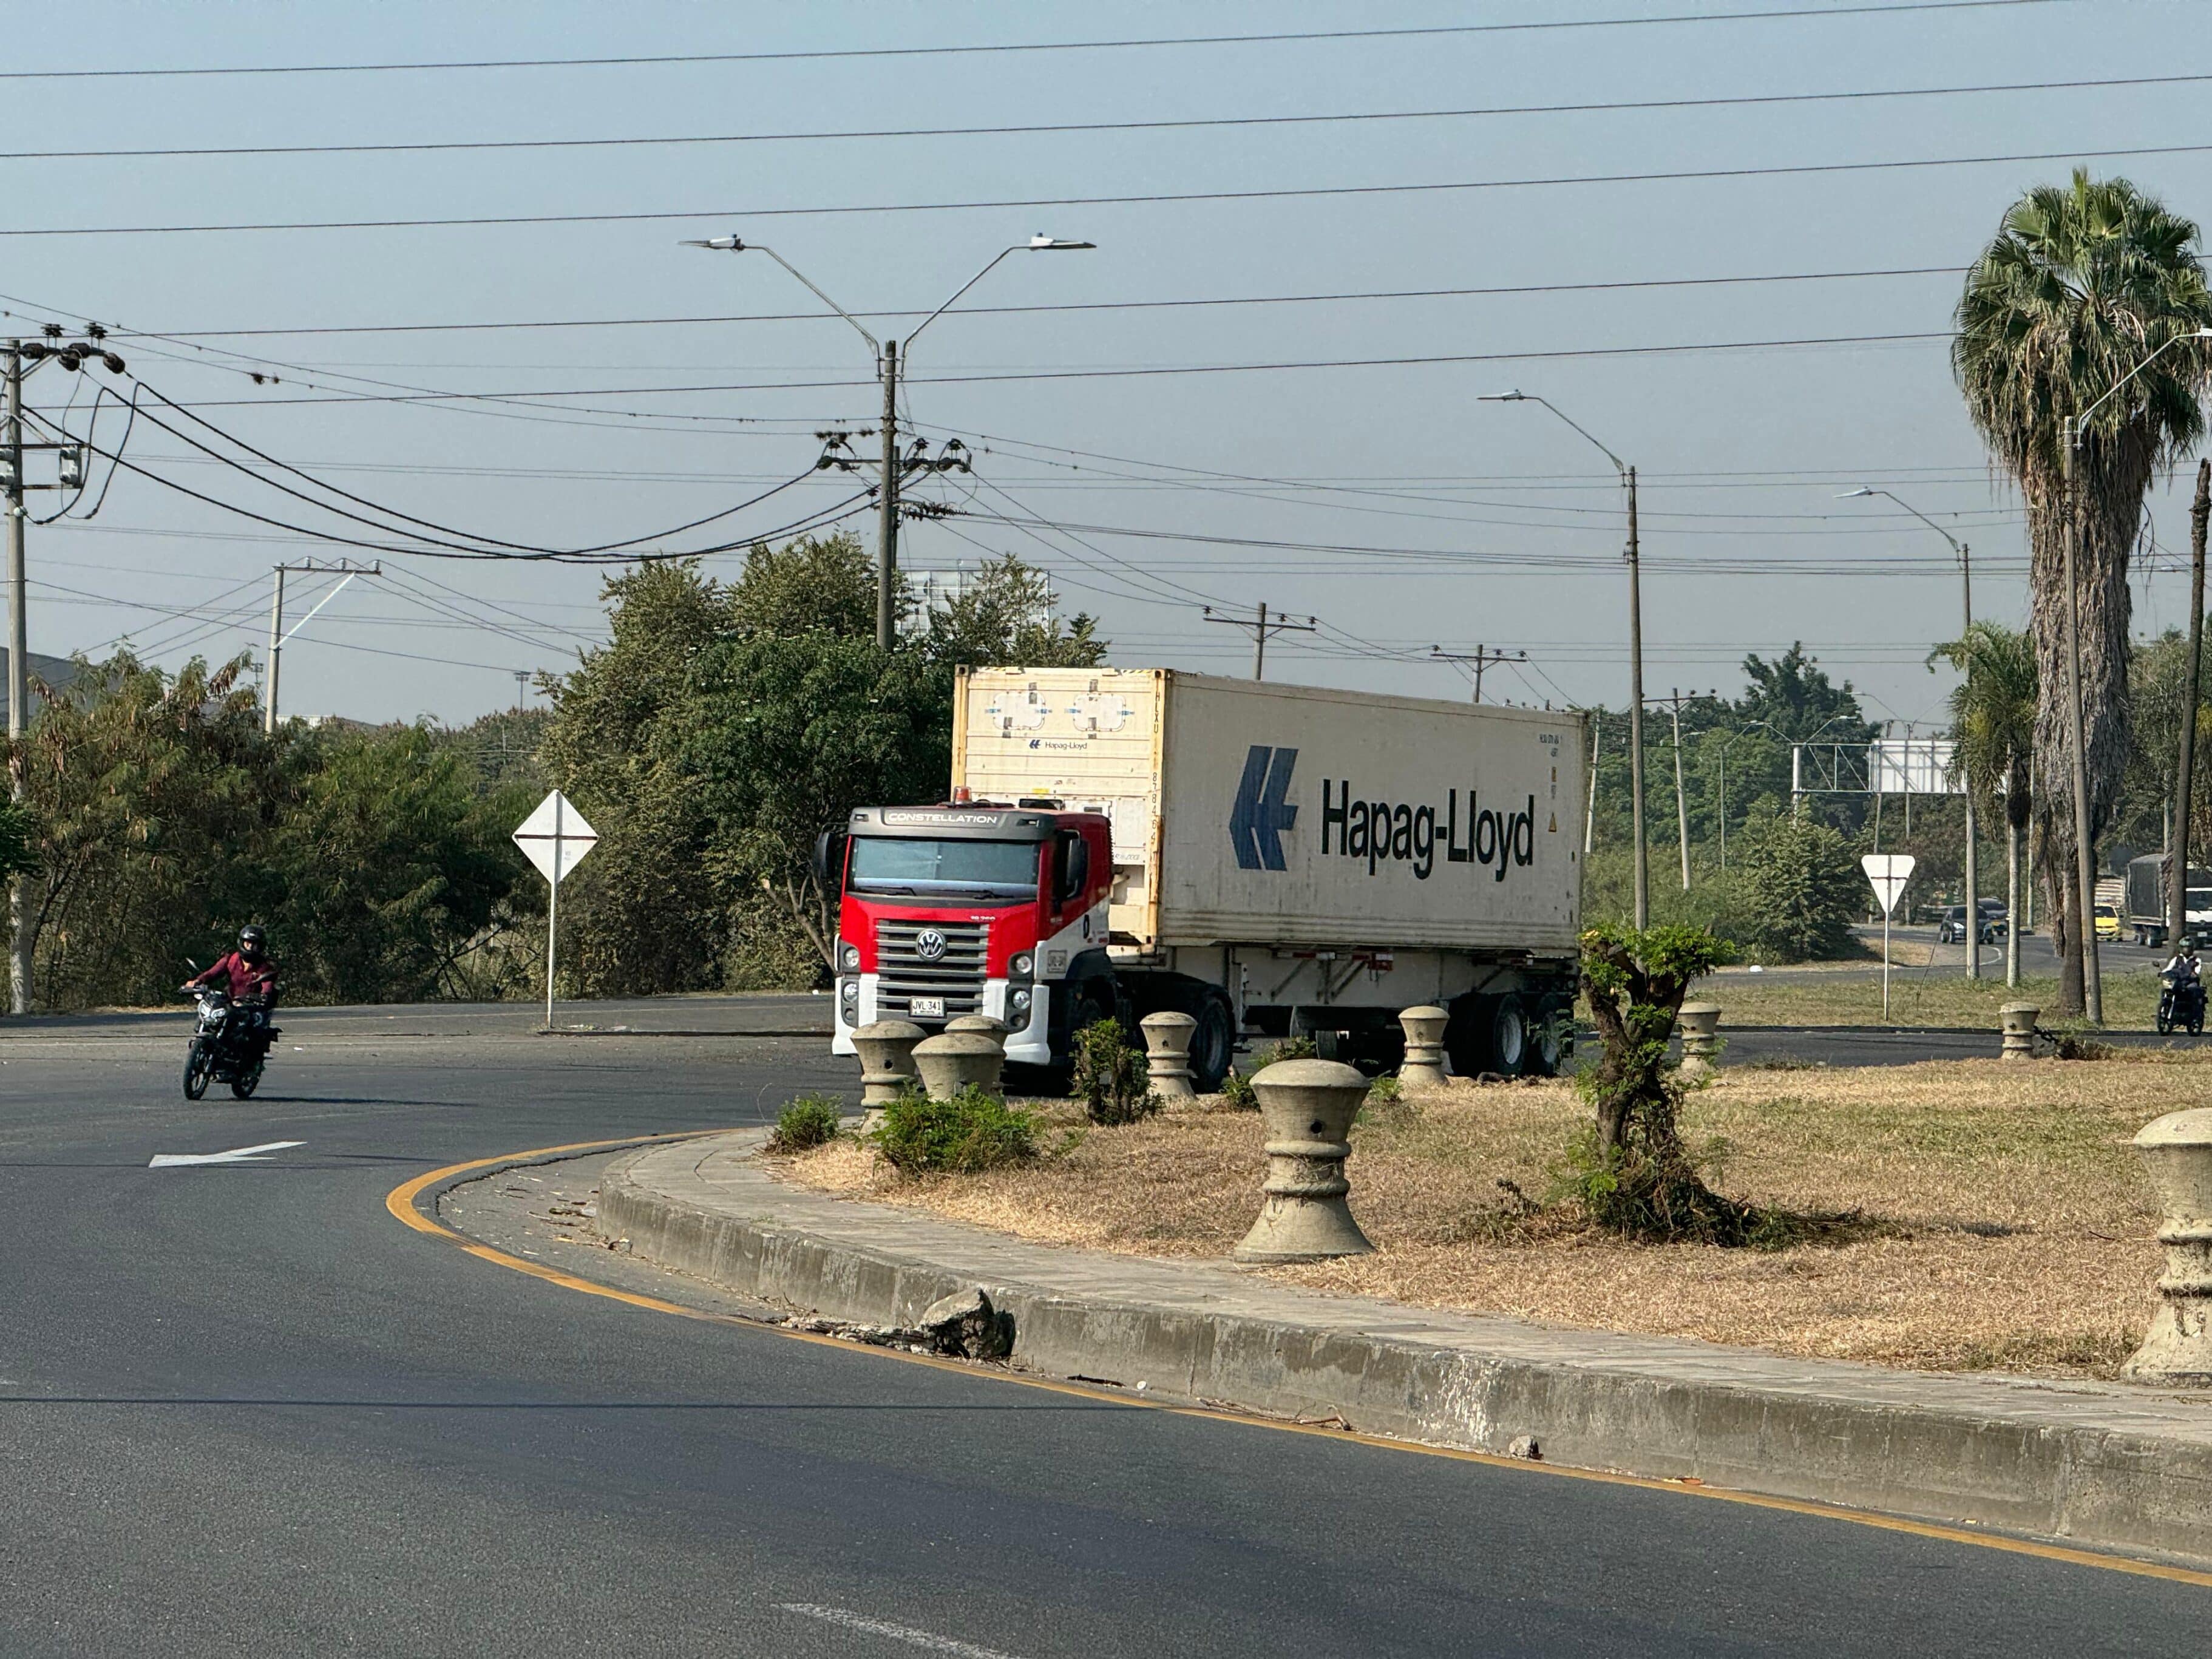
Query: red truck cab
[976, 907]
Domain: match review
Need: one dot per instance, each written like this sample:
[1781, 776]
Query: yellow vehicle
[2108, 922]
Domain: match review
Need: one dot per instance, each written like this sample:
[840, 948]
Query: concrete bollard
[953, 1059]
[886, 1058]
[1701, 1044]
[1167, 1053]
[1423, 1065]
[995, 1030]
[1308, 1105]
[2018, 1028]
[2177, 1155]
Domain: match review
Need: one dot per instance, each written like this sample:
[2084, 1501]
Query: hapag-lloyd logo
[1380, 831]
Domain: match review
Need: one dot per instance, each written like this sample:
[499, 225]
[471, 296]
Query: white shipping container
[1292, 816]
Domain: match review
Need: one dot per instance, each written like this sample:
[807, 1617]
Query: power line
[1741, 100]
[190, 335]
[1294, 192]
[1002, 48]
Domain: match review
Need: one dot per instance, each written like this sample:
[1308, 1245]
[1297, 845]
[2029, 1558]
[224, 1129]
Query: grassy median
[1962, 1215]
[1939, 996]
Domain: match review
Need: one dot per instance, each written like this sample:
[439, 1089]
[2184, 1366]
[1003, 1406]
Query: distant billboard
[1912, 766]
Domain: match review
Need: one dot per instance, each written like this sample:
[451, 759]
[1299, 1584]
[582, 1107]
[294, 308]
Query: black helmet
[250, 941]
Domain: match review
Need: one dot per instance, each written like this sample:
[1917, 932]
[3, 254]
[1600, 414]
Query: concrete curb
[2097, 1464]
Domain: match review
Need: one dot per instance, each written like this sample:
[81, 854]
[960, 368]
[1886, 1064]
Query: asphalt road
[243, 1410]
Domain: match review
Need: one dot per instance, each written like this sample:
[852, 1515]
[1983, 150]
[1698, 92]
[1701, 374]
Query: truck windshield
[2200, 898]
[983, 869]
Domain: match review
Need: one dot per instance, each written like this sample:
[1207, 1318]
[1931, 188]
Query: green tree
[2081, 287]
[156, 799]
[786, 736]
[1993, 724]
[817, 584]
[1800, 888]
[392, 868]
[641, 914]
[1003, 617]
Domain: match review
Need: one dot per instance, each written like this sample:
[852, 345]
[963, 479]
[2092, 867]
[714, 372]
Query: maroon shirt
[242, 978]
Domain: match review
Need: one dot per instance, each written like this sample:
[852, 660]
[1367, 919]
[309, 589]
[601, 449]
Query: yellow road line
[401, 1201]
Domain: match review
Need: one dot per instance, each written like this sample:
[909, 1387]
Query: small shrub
[973, 1132]
[809, 1120]
[1113, 1077]
[1295, 1047]
[2072, 1045]
[1386, 1102]
[1385, 1091]
[1237, 1094]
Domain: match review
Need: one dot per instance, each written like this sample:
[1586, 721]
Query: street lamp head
[724, 244]
[1513, 397]
[1042, 243]
[1853, 495]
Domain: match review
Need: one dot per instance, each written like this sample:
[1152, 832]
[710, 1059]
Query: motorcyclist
[2183, 967]
[248, 977]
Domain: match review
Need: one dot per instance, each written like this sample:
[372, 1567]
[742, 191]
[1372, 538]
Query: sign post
[555, 837]
[1888, 873]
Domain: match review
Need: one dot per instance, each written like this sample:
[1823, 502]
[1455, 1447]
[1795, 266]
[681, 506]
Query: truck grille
[902, 975]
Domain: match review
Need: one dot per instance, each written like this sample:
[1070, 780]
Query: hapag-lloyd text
[1384, 831]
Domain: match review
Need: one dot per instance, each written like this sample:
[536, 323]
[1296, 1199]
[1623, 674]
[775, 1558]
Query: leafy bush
[971, 1133]
[1294, 1048]
[1113, 1077]
[1385, 1091]
[1238, 1093]
[1801, 888]
[809, 1120]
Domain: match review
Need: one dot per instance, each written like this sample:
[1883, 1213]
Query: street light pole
[1635, 649]
[1967, 614]
[886, 353]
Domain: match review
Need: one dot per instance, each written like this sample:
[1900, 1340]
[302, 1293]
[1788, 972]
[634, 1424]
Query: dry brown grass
[2001, 1222]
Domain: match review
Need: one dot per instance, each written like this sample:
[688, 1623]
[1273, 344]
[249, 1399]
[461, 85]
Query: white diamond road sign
[1888, 872]
[556, 837]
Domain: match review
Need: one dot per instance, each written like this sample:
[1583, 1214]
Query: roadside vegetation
[1941, 996]
[719, 728]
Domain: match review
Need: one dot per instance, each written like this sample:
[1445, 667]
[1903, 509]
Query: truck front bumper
[1029, 1036]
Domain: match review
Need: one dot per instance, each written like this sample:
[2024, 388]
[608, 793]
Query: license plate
[926, 1007]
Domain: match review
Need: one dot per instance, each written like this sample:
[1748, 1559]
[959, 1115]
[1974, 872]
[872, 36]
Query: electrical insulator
[72, 459]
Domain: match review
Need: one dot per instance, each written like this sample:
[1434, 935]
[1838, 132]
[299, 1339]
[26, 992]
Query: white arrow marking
[237, 1155]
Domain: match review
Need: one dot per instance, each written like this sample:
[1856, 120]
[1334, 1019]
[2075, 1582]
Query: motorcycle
[2180, 1002]
[229, 1045]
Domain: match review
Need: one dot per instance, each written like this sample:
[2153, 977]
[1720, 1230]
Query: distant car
[2108, 922]
[1951, 928]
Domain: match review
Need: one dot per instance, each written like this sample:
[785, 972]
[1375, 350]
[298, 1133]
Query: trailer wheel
[1548, 1042]
[1511, 1041]
[1212, 1045]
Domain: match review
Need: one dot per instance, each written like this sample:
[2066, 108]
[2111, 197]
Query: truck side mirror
[1074, 866]
[829, 856]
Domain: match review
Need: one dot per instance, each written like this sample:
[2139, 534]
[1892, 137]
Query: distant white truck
[2147, 897]
[1269, 859]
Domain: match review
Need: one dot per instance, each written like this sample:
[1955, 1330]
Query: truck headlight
[1018, 1001]
[848, 957]
[1023, 965]
[849, 992]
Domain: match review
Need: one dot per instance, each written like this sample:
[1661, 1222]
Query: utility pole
[887, 502]
[1481, 656]
[1260, 627]
[2177, 844]
[1675, 702]
[19, 685]
[346, 570]
[2085, 878]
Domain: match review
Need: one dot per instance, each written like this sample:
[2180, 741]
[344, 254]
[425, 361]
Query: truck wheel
[1547, 1042]
[1213, 1045]
[1511, 1041]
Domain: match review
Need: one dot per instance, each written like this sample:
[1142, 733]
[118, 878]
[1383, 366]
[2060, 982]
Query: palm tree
[2083, 284]
[1993, 713]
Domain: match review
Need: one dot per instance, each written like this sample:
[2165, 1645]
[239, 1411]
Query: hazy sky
[1426, 517]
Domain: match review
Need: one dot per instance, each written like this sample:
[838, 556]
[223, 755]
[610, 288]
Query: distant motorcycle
[2181, 1002]
[230, 1044]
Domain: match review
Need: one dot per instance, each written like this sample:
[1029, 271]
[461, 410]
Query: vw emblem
[929, 945]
